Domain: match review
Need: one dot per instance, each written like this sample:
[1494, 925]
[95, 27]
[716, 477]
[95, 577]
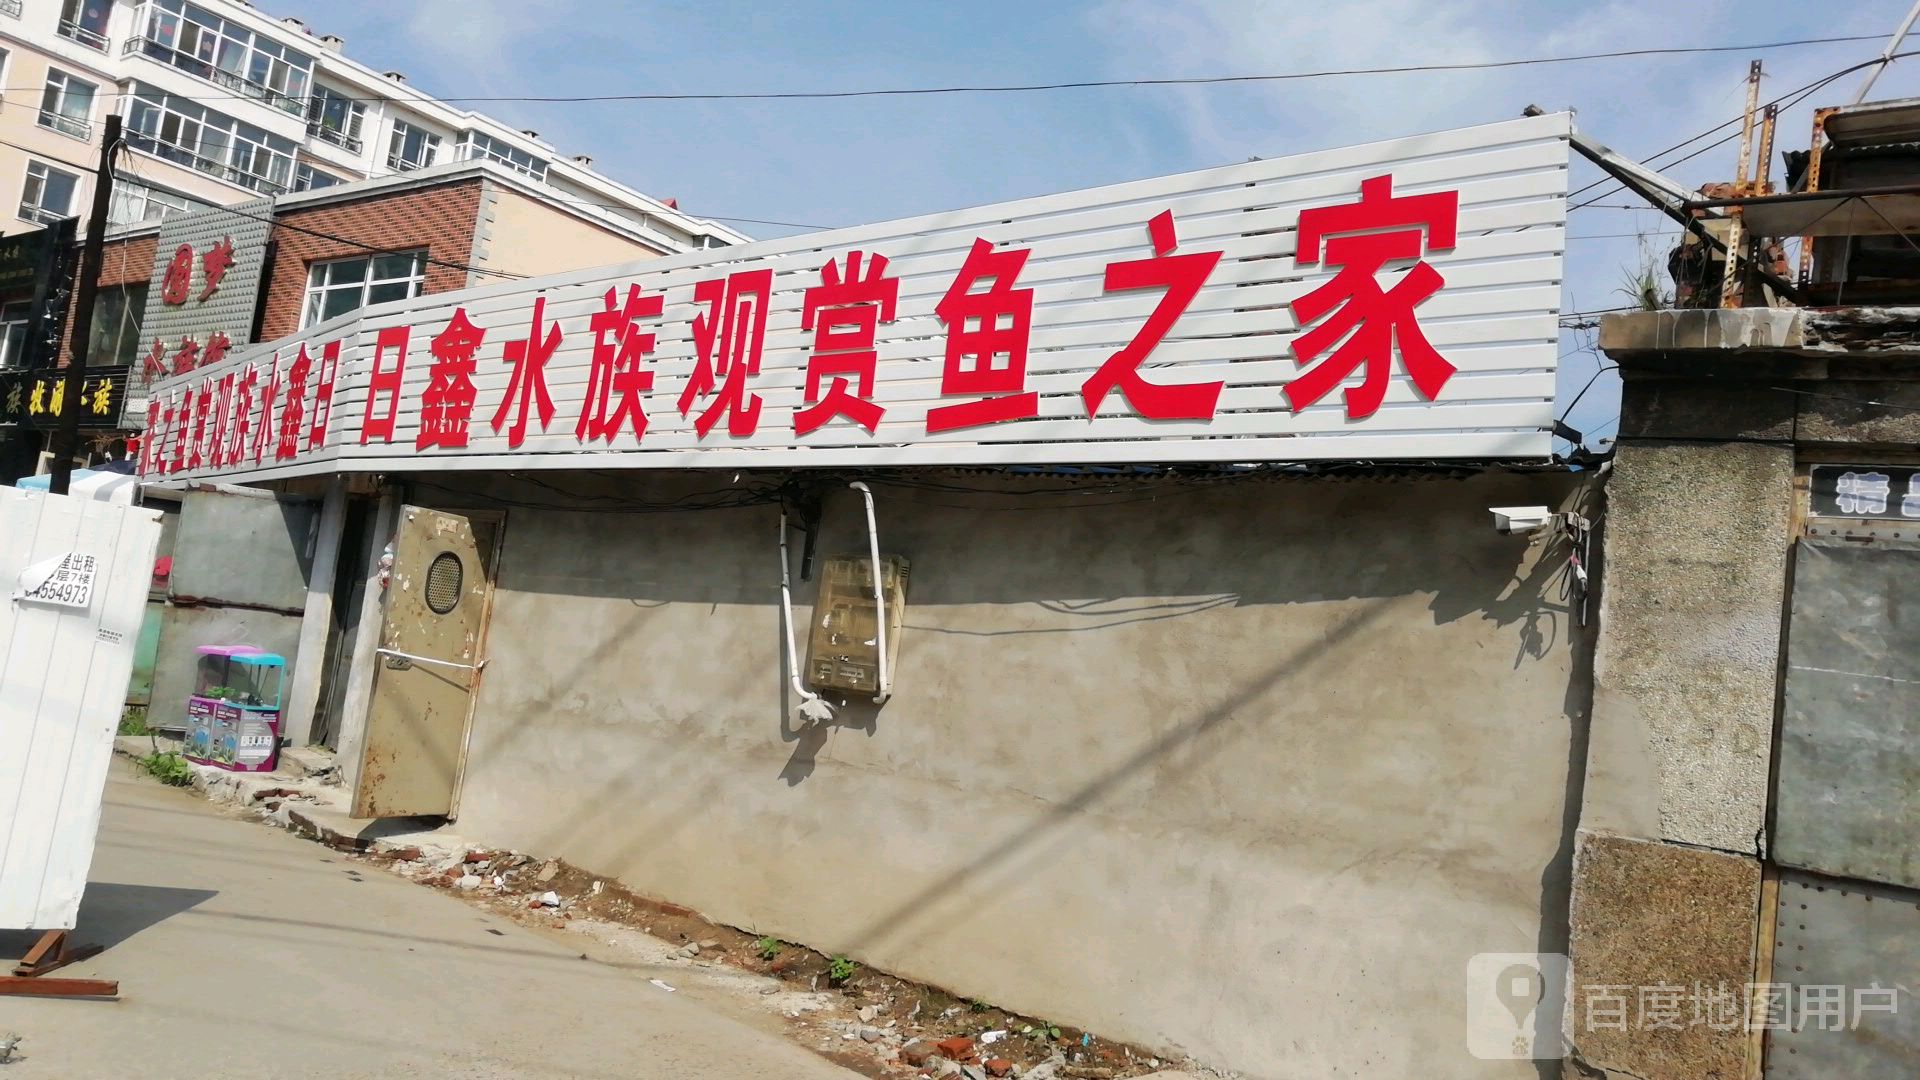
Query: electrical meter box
[843, 651]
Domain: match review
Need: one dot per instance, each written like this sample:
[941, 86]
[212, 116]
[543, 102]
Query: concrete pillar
[353, 710]
[1668, 857]
[316, 620]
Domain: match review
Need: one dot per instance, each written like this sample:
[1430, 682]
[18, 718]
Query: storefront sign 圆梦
[203, 295]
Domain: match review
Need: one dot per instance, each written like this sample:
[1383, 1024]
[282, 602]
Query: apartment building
[318, 184]
[225, 104]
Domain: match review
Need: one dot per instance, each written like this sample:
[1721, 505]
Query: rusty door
[426, 668]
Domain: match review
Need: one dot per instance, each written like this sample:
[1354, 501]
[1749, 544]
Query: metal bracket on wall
[400, 661]
[1864, 529]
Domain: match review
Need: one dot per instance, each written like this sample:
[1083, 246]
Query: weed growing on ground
[168, 767]
[769, 947]
[841, 969]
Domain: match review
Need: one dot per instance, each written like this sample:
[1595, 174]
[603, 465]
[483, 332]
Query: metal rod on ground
[66, 437]
[1886, 55]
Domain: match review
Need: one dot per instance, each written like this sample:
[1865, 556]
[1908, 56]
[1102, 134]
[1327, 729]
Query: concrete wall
[523, 236]
[240, 565]
[1697, 542]
[1247, 771]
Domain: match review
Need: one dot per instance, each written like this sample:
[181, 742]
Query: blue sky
[833, 163]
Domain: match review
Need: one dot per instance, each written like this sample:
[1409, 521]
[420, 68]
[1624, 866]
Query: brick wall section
[440, 219]
[121, 261]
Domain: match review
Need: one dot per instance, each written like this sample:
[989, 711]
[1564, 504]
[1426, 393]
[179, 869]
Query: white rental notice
[76, 573]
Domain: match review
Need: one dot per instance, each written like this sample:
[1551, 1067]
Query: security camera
[1508, 520]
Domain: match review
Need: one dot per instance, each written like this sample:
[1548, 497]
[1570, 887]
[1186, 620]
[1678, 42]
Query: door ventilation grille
[444, 578]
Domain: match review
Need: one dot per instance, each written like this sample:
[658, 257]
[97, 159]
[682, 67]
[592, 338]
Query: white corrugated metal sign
[75, 573]
[1391, 301]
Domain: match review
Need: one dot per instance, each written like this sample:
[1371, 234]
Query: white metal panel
[63, 677]
[1494, 320]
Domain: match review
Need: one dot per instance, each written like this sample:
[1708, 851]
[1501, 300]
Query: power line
[720, 217]
[282, 223]
[1090, 84]
[1601, 370]
[1797, 95]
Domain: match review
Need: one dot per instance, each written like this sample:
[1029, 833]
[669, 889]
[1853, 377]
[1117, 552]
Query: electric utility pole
[66, 436]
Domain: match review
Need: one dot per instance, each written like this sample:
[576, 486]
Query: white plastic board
[1438, 256]
[64, 667]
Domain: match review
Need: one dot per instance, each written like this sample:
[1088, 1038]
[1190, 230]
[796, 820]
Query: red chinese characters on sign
[177, 427]
[214, 263]
[323, 395]
[446, 408]
[188, 357]
[729, 337]
[844, 312]
[154, 365]
[202, 405]
[222, 415]
[1180, 276]
[218, 345]
[1360, 239]
[527, 387]
[618, 377]
[150, 446]
[242, 415]
[975, 332]
[177, 284]
[267, 432]
[292, 414]
[385, 380]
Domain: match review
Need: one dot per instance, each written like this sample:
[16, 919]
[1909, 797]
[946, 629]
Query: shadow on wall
[1218, 615]
[1034, 568]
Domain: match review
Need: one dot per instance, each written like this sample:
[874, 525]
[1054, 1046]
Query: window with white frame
[335, 118]
[134, 202]
[14, 320]
[411, 148]
[475, 144]
[177, 129]
[66, 105]
[85, 21]
[196, 40]
[48, 195]
[343, 285]
[308, 178]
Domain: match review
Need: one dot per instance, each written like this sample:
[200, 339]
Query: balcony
[66, 125]
[40, 215]
[179, 156]
[76, 32]
[10, 8]
[193, 65]
[333, 135]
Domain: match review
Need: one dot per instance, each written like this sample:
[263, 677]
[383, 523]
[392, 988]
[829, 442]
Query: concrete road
[243, 951]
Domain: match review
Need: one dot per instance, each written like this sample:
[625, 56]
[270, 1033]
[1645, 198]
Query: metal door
[435, 616]
[1847, 817]
[1847, 793]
